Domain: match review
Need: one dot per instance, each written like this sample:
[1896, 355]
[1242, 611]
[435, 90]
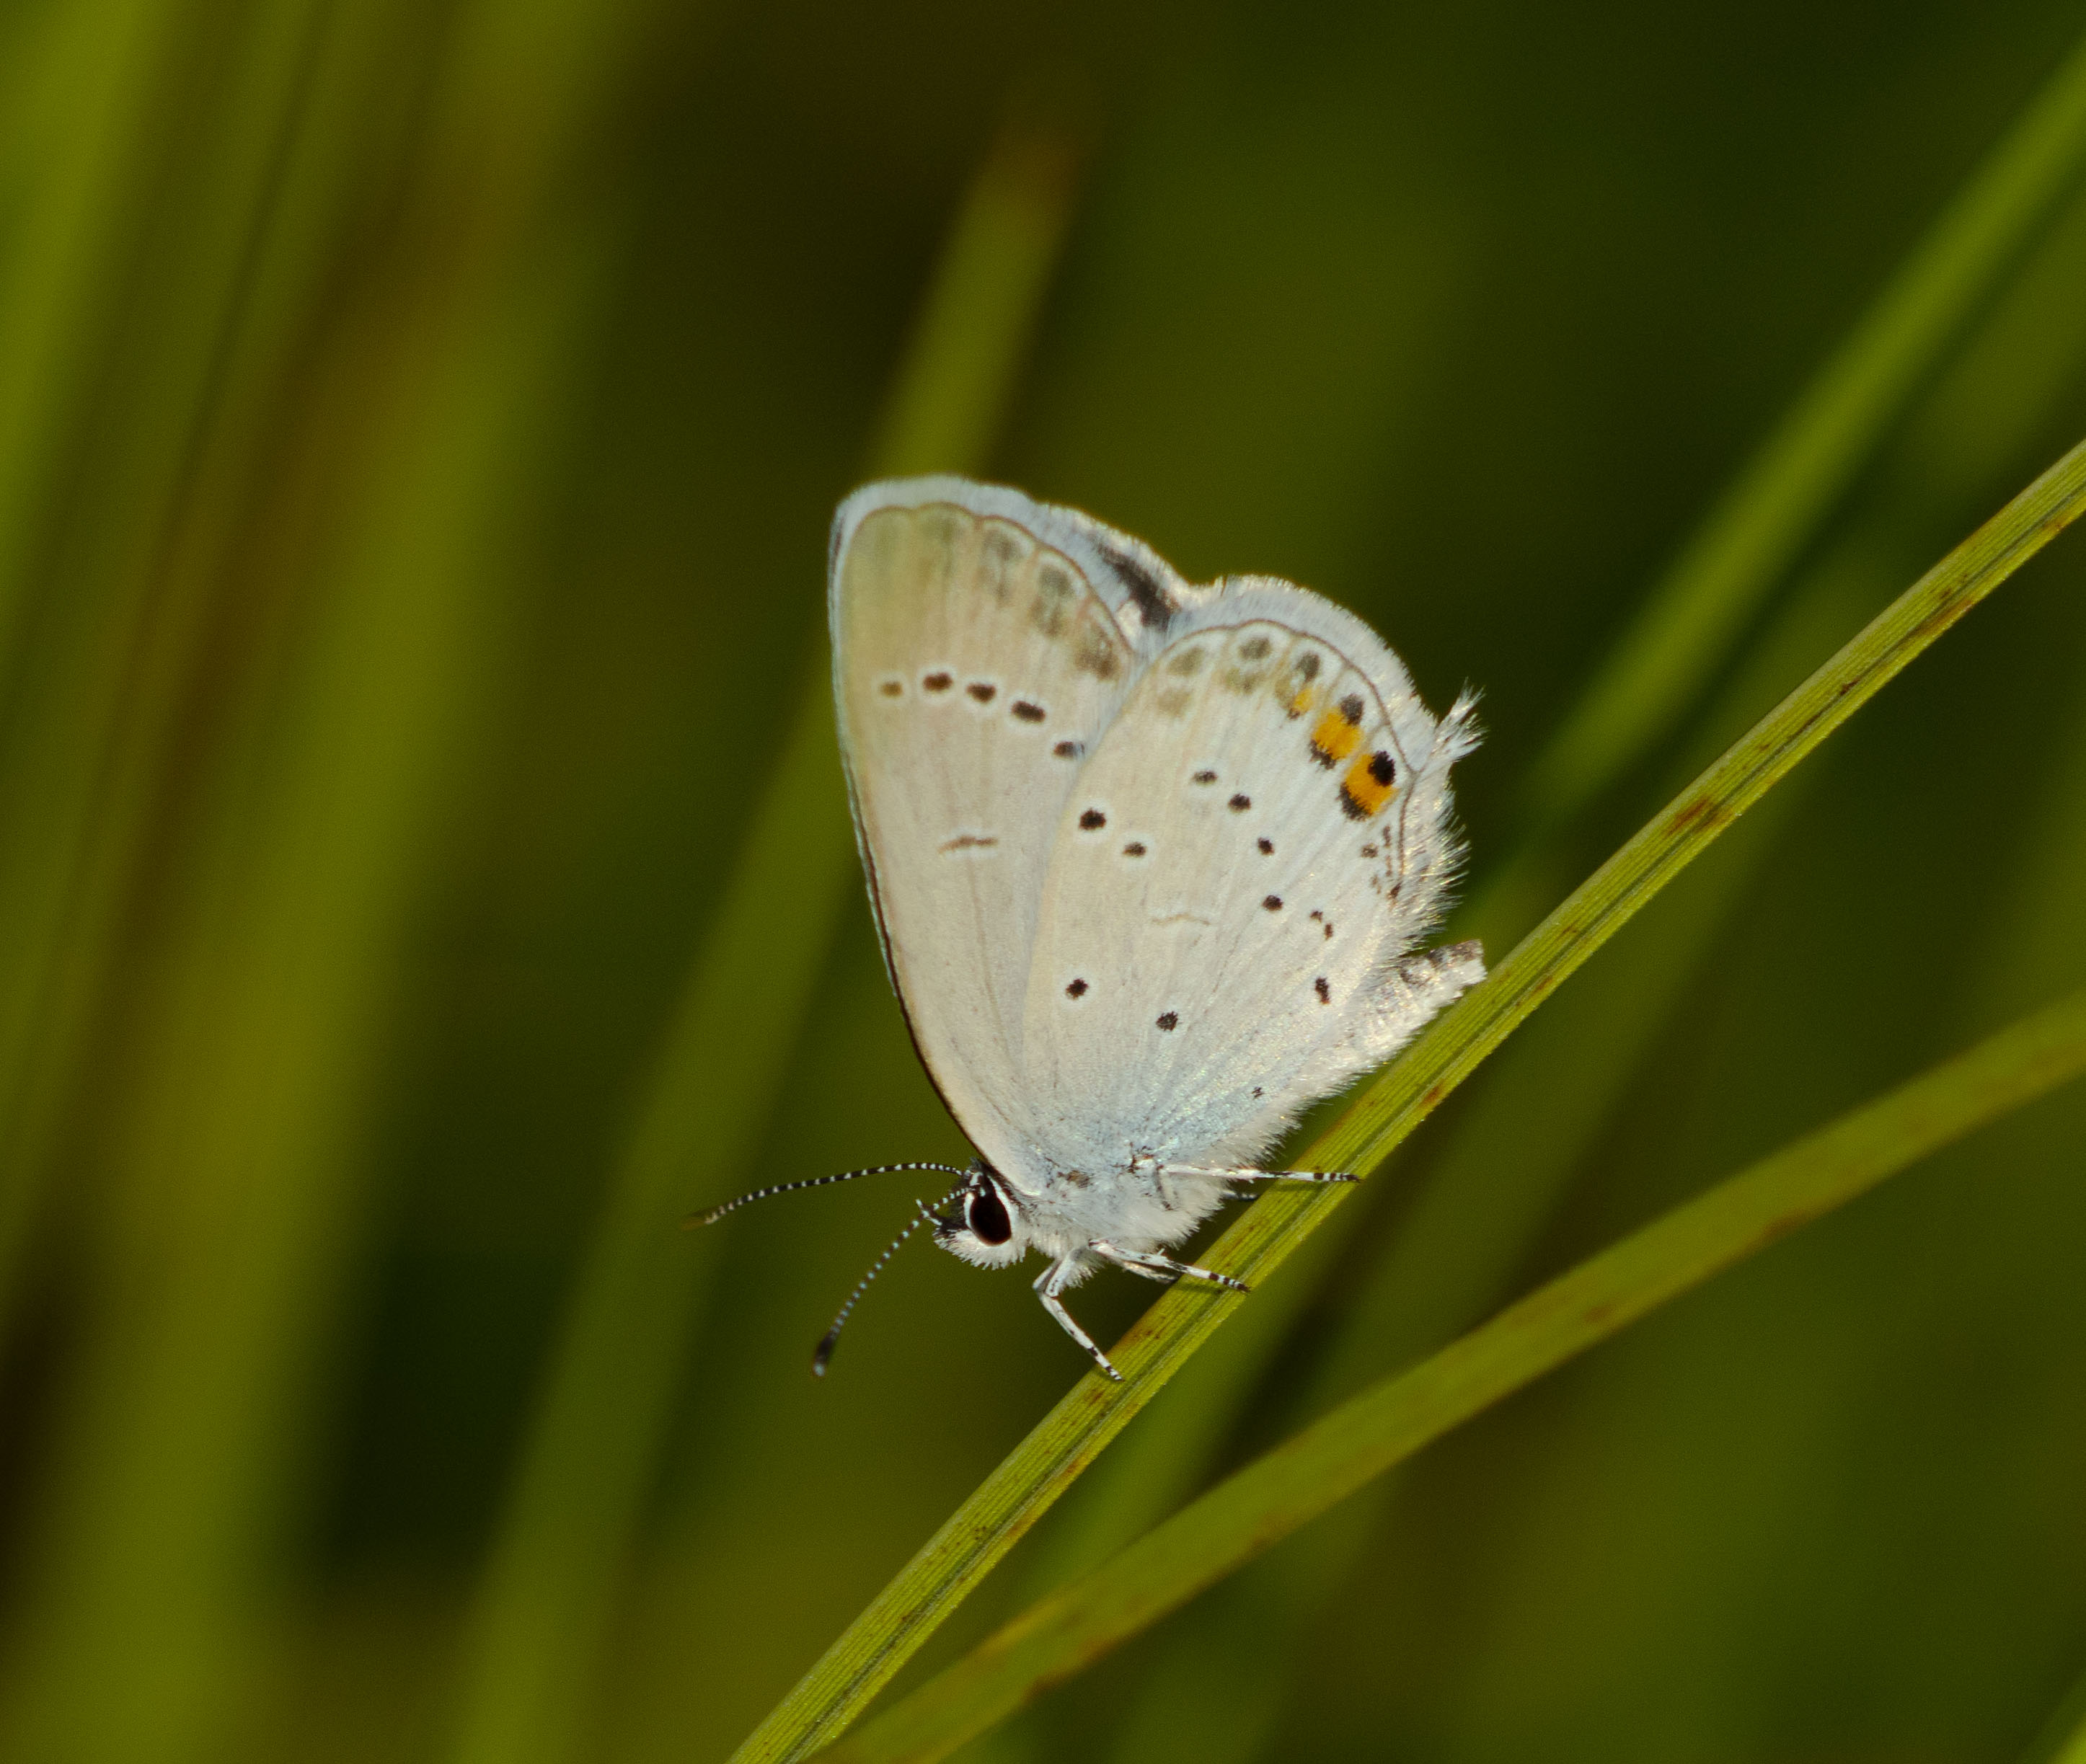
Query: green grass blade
[134, 385]
[76, 97]
[1443, 1265]
[237, 1154]
[1491, 1183]
[951, 400]
[356, 513]
[1483, 1202]
[2062, 1738]
[587, 1466]
[1762, 521]
[1735, 558]
[1269, 1498]
[1038, 1470]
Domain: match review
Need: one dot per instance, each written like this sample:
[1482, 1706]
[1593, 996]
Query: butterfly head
[986, 1226]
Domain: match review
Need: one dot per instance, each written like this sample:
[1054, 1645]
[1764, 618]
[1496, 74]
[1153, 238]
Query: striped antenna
[716, 1212]
[823, 1354]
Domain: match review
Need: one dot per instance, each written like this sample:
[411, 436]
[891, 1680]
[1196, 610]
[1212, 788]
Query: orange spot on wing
[1333, 738]
[1361, 793]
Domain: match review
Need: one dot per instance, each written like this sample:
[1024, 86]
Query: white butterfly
[1147, 860]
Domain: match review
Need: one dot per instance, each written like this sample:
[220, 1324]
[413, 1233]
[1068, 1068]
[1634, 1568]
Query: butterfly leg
[1049, 1284]
[1260, 1175]
[1154, 1266]
[1149, 1274]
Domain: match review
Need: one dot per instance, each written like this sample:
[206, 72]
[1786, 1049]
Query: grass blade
[75, 96]
[2063, 1740]
[1762, 521]
[1250, 1512]
[1734, 559]
[352, 510]
[1438, 1275]
[1491, 1184]
[236, 1145]
[91, 372]
[587, 1465]
[1039, 1470]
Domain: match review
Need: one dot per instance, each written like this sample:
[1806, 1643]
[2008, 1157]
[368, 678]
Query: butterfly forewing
[976, 668]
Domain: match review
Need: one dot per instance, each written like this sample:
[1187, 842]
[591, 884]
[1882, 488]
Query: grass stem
[1253, 1510]
[1032, 1478]
[587, 1465]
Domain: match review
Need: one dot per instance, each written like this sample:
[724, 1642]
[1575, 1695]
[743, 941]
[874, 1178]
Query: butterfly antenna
[823, 1354]
[716, 1212]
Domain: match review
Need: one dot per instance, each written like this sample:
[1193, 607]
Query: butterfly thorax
[1134, 1204]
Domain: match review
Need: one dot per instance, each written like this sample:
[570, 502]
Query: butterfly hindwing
[1258, 837]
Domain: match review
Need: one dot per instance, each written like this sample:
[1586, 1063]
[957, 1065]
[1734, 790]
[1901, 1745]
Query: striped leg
[1155, 1266]
[1048, 1284]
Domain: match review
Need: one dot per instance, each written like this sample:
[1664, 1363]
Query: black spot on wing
[1068, 749]
[1170, 1020]
[1323, 987]
[1155, 606]
[1077, 989]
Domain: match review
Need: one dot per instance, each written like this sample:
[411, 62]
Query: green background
[418, 427]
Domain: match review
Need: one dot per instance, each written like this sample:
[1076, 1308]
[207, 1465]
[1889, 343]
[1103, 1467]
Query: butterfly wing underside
[1259, 839]
[977, 664]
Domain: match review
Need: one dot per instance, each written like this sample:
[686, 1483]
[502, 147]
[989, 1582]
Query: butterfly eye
[987, 1218]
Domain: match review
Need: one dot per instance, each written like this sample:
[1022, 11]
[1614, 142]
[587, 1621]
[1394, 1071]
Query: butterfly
[1149, 862]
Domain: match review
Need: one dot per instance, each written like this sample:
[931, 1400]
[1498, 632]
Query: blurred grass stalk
[1497, 1176]
[271, 536]
[1009, 1500]
[548, 1596]
[76, 91]
[126, 271]
[2063, 1739]
[1760, 525]
[1442, 1274]
[1258, 1507]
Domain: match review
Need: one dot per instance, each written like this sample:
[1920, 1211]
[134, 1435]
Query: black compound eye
[987, 1218]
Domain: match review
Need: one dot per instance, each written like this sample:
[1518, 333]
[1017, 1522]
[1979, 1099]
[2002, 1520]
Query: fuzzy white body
[1149, 860]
